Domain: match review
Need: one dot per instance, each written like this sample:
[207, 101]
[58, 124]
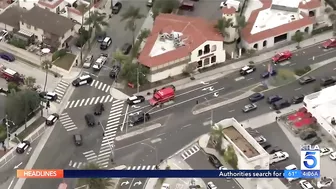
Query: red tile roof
[195, 30]
[228, 10]
[49, 4]
[310, 4]
[251, 38]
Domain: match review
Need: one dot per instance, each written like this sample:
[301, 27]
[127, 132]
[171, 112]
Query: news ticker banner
[59, 173]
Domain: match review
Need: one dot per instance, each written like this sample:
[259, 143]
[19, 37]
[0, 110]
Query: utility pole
[138, 85]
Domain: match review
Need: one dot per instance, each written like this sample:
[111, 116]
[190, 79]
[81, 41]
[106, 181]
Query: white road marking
[156, 140]
[249, 79]
[102, 99]
[232, 110]
[239, 78]
[76, 103]
[97, 99]
[323, 54]
[87, 101]
[186, 126]
[82, 102]
[298, 89]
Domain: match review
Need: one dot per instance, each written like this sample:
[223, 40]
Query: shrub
[58, 54]
[18, 43]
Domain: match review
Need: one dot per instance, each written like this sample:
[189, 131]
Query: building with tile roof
[179, 42]
[278, 20]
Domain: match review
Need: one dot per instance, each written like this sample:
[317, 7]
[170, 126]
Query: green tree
[241, 23]
[46, 65]
[144, 33]
[217, 136]
[30, 81]
[230, 157]
[96, 21]
[131, 15]
[131, 72]
[298, 37]
[222, 25]
[95, 183]
[20, 105]
[13, 87]
[164, 6]
[118, 56]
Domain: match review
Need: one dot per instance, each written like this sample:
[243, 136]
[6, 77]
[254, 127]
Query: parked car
[305, 135]
[88, 61]
[328, 80]
[273, 98]
[286, 55]
[78, 139]
[306, 79]
[126, 48]
[326, 151]
[214, 161]
[135, 100]
[7, 56]
[247, 69]
[51, 96]
[51, 120]
[106, 43]
[98, 109]
[115, 69]
[325, 182]
[332, 156]
[306, 184]
[82, 80]
[314, 140]
[139, 118]
[249, 107]
[291, 167]
[266, 145]
[101, 36]
[281, 104]
[260, 139]
[278, 156]
[165, 186]
[211, 185]
[90, 120]
[329, 43]
[267, 74]
[22, 147]
[298, 99]
[256, 97]
[116, 8]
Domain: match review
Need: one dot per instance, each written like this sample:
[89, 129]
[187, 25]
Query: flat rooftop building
[322, 105]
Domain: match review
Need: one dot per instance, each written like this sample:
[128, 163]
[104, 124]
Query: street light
[156, 152]
[211, 116]
[109, 142]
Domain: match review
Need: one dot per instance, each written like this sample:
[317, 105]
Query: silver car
[249, 107]
[88, 61]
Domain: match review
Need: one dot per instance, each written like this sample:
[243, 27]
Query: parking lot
[278, 136]
[206, 9]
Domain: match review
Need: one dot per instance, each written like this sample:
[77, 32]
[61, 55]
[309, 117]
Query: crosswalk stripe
[100, 84]
[102, 99]
[129, 168]
[87, 101]
[103, 87]
[72, 102]
[108, 88]
[79, 165]
[81, 103]
[76, 103]
[74, 165]
[97, 99]
[108, 99]
[88, 152]
[92, 99]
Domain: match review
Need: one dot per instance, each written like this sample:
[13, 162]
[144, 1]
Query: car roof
[291, 167]
[51, 117]
[51, 93]
[84, 76]
[255, 94]
[106, 39]
[21, 145]
[246, 67]
[133, 98]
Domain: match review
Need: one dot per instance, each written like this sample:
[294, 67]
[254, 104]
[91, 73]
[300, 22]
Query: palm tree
[217, 136]
[240, 24]
[118, 56]
[222, 25]
[46, 65]
[96, 21]
[131, 15]
[95, 183]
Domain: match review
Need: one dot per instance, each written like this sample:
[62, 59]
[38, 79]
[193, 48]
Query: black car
[135, 100]
[126, 48]
[98, 109]
[306, 80]
[314, 140]
[22, 147]
[115, 71]
[256, 97]
[329, 80]
[280, 104]
[51, 96]
[273, 98]
[138, 118]
[274, 149]
[305, 135]
[297, 99]
[116, 8]
[90, 120]
[266, 145]
[214, 161]
[266, 74]
[52, 119]
[78, 139]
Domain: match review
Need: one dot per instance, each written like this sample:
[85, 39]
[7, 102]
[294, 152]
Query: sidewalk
[234, 65]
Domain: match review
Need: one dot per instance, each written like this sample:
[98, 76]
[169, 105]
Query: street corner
[118, 94]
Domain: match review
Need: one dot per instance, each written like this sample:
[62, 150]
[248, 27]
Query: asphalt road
[199, 161]
[8, 170]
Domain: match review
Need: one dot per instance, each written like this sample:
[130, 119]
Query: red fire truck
[11, 75]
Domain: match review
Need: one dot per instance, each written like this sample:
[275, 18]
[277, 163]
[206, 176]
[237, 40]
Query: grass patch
[259, 88]
[65, 62]
[283, 77]
[30, 129]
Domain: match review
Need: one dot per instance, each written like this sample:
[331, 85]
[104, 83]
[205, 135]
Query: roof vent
[164, 36]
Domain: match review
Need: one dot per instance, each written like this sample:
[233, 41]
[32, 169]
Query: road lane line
[249, 79]
[123, 123]
[322, 54]
[156, 140]
[160, 134]
[239, 78]
[232, 110]
[298, 89]
[186, 126]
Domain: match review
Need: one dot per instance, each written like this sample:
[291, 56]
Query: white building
[278, 20]
[251, 155]
[67, 8]
[180, 41]
[322, 105]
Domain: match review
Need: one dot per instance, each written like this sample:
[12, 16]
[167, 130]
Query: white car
[306, 185]
[325, 182]
[211, 185]
[291, 167]
[222, 168]
[326, 151]
[260, 139]
[247, 69]
[165, 186]
[100, 62]
[3, 34]
[333, 156]
[279, 156]
[88, 61]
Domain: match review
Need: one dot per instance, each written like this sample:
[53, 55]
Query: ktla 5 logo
[311, 160]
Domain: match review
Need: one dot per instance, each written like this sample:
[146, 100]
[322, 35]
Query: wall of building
[216, 50]
[270, 41]
[36, 31]
[231, 31]
[177, 70]
[67, 35]
[27, 4]
[6, 27]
